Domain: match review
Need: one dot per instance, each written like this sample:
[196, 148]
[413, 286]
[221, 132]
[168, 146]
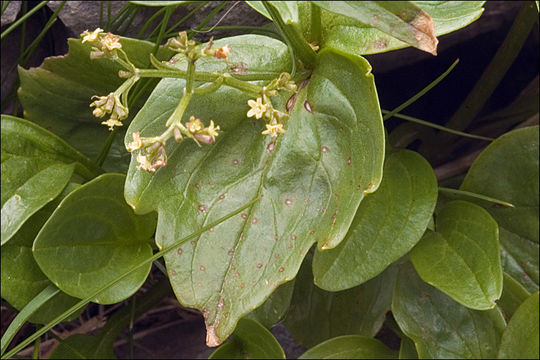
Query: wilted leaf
[386, 226]
[92, 238]
[508, 170]
[441, 327]
[311, 180]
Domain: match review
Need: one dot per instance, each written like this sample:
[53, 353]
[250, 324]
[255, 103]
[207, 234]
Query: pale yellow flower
[136, 144]
[91, 36]
[111, 41]
[194, 125]
[111, 123]
[212, 130]
[144, 163]
[273, 130]
[257, 108]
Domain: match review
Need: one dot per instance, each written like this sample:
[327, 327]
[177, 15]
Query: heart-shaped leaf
[520, 339]
[316, 315]
[36, 166]
[387, 224]
[250, 340]
[462, 258]
[350, 347]
[22, 279]
[310, 180]
[508, 170]
[92, 238]
[57, 96]
[441, 327]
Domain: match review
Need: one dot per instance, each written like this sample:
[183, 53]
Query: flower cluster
[105, 45]
[263, 108]
[110, 104]
[152, 153]
[183, 45]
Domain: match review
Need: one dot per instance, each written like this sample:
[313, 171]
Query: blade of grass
[111, 21]
[170, 31]
[474, 195]
[497, 68]
[148, 22]
[164, 22]
[22, 20]
[45, 295]
[205, 21]
[422, 92]
[436, 126]
[156, 256]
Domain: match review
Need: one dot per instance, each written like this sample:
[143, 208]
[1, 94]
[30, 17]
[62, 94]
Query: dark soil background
[170, 331]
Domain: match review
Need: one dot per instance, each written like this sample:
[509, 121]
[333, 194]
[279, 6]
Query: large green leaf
[508, 170]
[462, 258]
[354, 37]
[520, 339]
[57, 96]
[441, 327]
[22, 279]
[316, 315]
[346, 34]
[350, 347]
[387, 224]
[92, 238]
[311, 180]
[36, 166]
[250, 340]
[400, 19]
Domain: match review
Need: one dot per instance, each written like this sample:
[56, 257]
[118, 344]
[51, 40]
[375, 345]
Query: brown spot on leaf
[259, 265]
[324, 149]
[281, 269]
[179, 251]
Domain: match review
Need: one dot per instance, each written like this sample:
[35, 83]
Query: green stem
[496, 69]
[164, 22]
[92, 296]
[238, 81]
[474, 195]
[295, 40]
[436, 126]
[22, 19]
[421, 92]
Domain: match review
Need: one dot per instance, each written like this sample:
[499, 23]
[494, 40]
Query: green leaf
[316, 315]
[520, 339]
[462, 258]
[386, 226]
[512, 160]
[350, 347]
[512, 297]
[439, 326]
[275, 307]
[346, 34]
[36, 166]
[95, 236]
[21, 277]
[57, 96]
[400, 19]
[250, 340]
[304, 179]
